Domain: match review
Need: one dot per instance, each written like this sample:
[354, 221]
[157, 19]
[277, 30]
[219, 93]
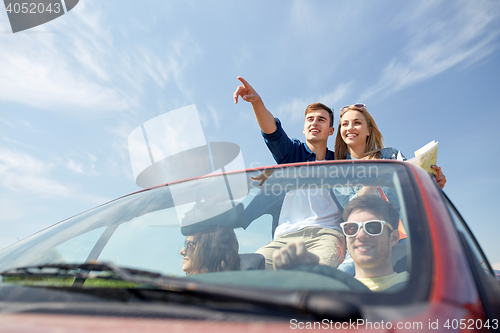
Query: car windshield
[212, 229]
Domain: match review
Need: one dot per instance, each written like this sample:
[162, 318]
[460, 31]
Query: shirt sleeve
[280, 145]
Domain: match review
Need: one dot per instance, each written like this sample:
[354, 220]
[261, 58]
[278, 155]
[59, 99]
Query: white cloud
[38, 66]
[163, 67]
[437, 43]
[23, 173]
[74, 166]
[6, 122]
[9, 140]
[50, 86]
[83, 65]
[81, 163]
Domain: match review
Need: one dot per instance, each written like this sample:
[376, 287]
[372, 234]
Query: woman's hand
[440, 177]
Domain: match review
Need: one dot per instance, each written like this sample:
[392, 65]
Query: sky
[73, 90]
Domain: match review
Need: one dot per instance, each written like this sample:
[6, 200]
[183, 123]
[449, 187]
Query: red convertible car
[182, 257]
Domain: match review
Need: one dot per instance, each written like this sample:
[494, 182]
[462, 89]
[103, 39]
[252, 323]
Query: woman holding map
[358, 137]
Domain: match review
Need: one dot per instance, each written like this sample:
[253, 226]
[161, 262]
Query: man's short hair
[320, 106]
[375, 205]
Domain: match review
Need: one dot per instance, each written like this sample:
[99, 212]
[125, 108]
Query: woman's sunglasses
[372, 228]
[189, 245]
[358, 106]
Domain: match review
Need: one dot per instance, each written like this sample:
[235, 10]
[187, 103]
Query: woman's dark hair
[215, 251]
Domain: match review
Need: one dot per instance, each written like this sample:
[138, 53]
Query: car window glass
[76, 249]
[148, 242]
[464, 230]
[257, 233]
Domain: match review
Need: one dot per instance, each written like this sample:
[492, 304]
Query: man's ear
[394, 237]
[332, 129]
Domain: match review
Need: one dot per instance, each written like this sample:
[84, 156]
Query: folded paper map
[426, 156]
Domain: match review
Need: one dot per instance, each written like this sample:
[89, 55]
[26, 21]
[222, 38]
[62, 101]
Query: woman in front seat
[215, 251]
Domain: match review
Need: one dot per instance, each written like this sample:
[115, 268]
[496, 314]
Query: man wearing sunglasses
[371, 230]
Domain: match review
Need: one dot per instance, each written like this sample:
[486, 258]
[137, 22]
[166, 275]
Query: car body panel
[35, 323]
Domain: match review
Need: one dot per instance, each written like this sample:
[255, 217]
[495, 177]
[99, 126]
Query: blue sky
[72, 90]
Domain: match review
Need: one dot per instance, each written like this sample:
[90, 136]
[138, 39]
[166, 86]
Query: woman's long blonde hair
[374, 142]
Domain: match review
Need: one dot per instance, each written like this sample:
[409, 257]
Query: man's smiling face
[371, 253]
[317, 126]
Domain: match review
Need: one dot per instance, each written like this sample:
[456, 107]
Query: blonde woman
[358, 137]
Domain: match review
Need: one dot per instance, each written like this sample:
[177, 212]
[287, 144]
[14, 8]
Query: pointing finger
[245, 83]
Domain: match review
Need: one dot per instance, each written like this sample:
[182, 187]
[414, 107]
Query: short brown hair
[376, 205]
[320, 106]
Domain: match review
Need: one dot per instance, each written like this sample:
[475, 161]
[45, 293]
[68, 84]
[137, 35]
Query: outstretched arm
[265, 119]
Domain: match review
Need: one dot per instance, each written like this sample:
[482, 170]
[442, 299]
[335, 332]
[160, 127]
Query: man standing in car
[313, 219]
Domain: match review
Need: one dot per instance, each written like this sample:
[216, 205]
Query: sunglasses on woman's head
[372, 228]
[358, 106]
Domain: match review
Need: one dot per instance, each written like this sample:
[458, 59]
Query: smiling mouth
[351, 135]
[314, 131]
[364, 248]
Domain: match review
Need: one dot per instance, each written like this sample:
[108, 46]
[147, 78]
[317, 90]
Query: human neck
[374, 272]
[357, 152]
[318, 148]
